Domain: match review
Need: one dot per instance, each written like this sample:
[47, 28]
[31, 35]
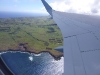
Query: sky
[36, 6]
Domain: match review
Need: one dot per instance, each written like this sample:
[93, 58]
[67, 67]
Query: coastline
[30, 34]
[56, 56]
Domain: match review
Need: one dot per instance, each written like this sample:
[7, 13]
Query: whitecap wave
[30, 58]
[37, 54]
[3, 53]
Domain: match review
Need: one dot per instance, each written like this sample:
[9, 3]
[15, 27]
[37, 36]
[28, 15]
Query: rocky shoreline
[56, 57]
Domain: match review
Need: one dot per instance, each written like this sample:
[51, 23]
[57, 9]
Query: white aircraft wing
[81, 34]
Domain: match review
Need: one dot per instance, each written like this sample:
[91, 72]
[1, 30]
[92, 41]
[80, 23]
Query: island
[30, 34]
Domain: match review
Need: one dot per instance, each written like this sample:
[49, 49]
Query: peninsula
[31, 34]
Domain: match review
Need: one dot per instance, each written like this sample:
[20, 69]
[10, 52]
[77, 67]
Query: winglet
[47, 6]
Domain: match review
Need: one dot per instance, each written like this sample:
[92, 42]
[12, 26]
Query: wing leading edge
[48, 8]
[81, 34]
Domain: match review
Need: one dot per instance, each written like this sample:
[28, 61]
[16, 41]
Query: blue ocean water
[19, 14]
[32, 64]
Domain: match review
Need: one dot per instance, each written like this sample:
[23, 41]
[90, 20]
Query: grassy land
[33, 34]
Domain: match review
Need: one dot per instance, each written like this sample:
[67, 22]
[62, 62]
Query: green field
[33, 34]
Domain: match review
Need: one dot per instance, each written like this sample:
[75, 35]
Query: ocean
[33, 64]
[19, 14]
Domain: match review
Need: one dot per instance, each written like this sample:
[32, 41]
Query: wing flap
[72, 58]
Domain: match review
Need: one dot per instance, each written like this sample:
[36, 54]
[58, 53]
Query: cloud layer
[77, 6]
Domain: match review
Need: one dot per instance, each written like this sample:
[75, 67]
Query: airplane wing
[81, 35]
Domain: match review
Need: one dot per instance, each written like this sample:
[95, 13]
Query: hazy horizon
[9, 14]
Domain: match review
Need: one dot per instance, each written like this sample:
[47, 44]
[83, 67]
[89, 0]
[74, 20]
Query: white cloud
[77, 6]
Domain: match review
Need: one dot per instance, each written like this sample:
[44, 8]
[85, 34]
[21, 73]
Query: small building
[59, 41]
[48, 48]
[51, 39]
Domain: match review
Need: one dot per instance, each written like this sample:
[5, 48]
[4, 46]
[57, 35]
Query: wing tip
[47, 6]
